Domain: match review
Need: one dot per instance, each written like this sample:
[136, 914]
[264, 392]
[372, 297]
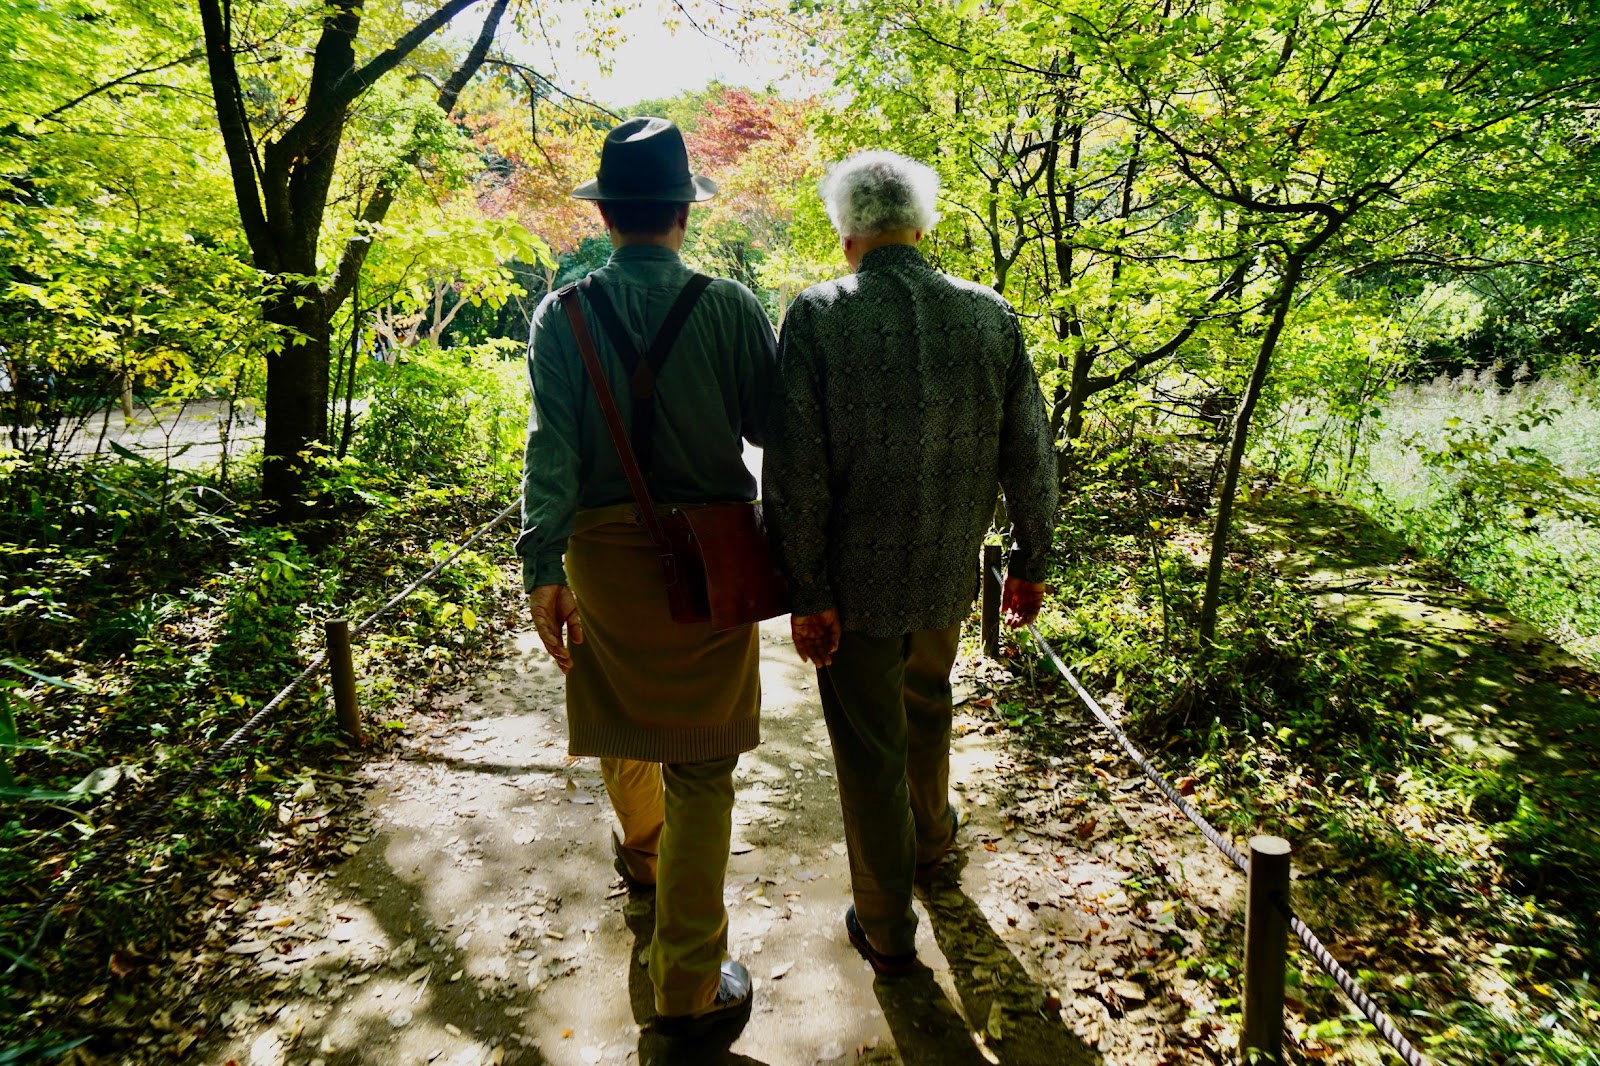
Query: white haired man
[906, 397]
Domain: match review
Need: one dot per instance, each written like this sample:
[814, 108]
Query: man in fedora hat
[667, 706]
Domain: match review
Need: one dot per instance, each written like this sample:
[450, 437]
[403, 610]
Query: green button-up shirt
[712, 396]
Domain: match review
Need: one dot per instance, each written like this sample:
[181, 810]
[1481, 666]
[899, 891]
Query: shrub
[453, 415]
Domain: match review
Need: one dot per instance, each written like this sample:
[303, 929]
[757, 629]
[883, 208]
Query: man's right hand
[816, 636]
[555, 608]
[1021, 602]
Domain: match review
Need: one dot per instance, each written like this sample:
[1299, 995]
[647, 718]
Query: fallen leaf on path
[782, 968]
[1128, 990]
[237, 1011]
[267, 1050]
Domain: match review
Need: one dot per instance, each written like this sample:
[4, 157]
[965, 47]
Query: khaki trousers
[887, 703]
[677, 824]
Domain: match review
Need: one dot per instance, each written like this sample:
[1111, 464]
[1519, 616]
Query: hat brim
[693, 191]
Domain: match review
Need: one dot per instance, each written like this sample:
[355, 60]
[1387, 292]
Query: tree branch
[320, 112]
[528, 72]
[1233, 283]
[53, 114]
[235, 127]
[356, 249]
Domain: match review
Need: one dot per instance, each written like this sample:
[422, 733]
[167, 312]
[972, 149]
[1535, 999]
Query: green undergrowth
[1496, 478]
[145, 614]
[1440, 792]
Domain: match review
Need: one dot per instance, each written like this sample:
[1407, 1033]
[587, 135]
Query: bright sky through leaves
[657, 54]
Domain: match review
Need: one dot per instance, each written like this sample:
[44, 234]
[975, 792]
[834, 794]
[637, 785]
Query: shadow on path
[997, 995]
[927, 1027]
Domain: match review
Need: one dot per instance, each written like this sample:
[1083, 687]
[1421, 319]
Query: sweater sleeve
[550, 469]
[1028, 468]
[796, 494]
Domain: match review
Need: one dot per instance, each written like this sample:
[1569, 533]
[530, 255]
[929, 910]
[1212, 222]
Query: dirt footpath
[478, 920]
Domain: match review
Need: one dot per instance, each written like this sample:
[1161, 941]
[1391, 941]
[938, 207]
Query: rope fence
[1273, 896]
[39, 918]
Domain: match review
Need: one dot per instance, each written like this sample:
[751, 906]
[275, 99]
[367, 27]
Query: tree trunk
[1239, 437]
[282, 186]
[297, 393]
[1078, 393]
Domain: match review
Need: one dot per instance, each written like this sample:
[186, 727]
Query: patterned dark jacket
[906, 399]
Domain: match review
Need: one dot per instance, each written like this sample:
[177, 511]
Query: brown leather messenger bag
[715, 559]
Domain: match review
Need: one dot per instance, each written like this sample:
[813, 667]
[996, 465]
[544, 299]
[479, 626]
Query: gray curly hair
[873, 192]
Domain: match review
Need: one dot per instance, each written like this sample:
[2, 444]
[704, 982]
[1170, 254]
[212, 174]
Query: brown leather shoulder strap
[608, 410]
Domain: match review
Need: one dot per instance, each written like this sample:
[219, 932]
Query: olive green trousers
[677, 823]
[887, 702]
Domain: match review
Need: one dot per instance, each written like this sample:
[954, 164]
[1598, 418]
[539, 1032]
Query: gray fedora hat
[645, 159]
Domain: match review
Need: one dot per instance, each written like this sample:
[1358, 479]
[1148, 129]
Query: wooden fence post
[991, 601]
[1266, 947]
[344, 680]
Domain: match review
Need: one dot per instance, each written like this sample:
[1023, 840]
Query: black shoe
[882, 965]
[733, 999]
[634, 885]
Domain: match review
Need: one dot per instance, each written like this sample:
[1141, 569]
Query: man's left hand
[1021, 601]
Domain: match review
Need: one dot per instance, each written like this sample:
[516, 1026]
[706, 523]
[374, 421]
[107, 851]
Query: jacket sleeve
[1028, 469]
[795, 490]
[550, 459]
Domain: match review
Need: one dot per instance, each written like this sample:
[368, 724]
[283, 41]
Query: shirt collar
[644, 253]
[892, 255]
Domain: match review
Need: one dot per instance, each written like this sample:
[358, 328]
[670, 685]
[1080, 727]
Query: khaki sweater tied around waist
[643, 686]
